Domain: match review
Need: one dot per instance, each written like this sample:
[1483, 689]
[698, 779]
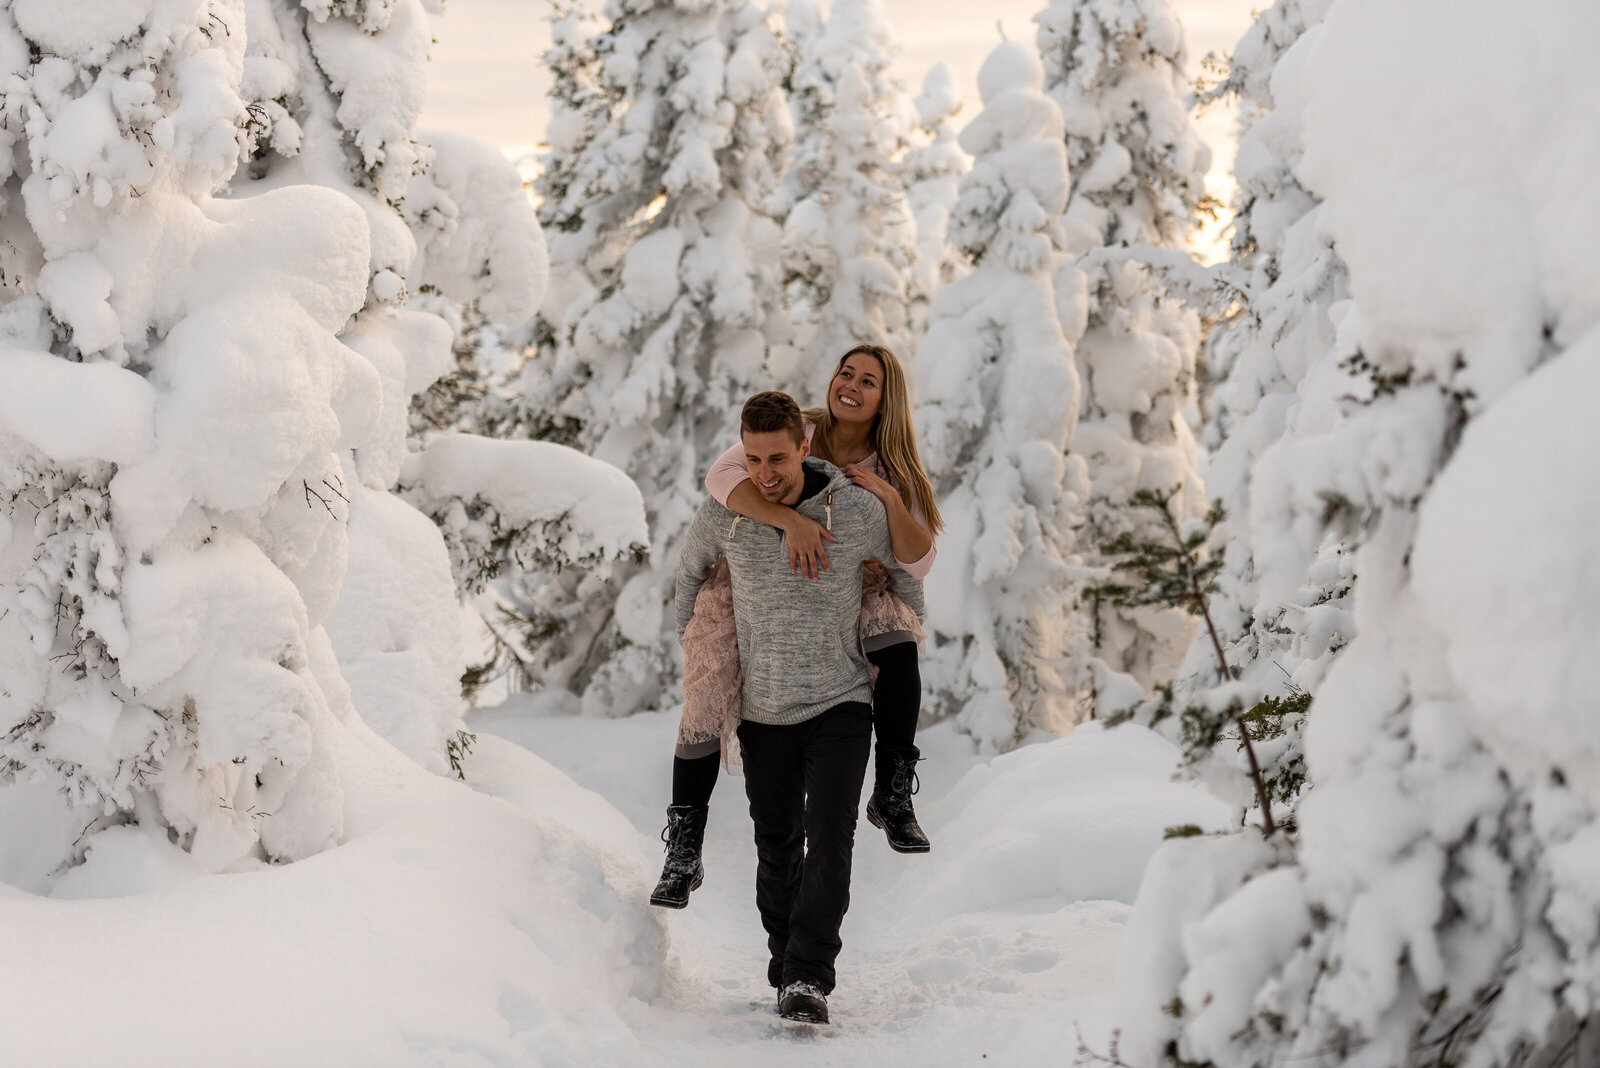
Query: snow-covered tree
[662, 315]
[1115, 68]
[1431, 909]
[1283, 379]
[849, 237]
[1274, 336]
[176, 420]
[998, 399]
[932, 170]
[337, 90]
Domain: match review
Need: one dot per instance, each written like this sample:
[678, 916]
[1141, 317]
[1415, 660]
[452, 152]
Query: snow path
[922, 979]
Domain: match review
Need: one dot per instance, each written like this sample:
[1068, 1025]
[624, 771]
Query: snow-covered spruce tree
[1436, 910]
[1275, 336]
[174, 412]
[1115, 68]
[663, 319]
[1283, 380]
[336, 90]
[932, 170]
[1138, 166]
[849, 237]
[998, 398]
[1275, 343]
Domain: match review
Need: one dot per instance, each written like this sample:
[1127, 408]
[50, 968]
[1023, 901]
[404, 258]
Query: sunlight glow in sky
[487, 80]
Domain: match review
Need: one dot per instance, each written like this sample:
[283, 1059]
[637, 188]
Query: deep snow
[506, 924]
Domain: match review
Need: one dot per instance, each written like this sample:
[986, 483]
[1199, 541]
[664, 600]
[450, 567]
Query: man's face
[773, 459]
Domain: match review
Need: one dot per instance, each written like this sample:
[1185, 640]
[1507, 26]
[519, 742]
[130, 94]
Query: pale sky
[486, 78]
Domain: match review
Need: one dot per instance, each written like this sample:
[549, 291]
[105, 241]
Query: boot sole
[674, 903]
[872, 818]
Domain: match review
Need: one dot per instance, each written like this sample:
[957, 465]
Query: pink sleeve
[728, 470]
[919, 569]
[726, 474]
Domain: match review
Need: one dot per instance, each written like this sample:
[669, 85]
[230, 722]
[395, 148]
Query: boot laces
[667, 836]
[905, 781]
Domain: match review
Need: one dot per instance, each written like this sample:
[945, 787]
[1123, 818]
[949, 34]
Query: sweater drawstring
[735, 525]
[827, 510]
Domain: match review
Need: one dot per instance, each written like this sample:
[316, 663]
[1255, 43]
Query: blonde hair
[893, 436]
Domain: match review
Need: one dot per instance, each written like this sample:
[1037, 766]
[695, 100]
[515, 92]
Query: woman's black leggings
[896, 703]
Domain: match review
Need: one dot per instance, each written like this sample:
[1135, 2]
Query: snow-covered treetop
[940, 97]
[1017, 188]
[1010, 66]
[1116, 68]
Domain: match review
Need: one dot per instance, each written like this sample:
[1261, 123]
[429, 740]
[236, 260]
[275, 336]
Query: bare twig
[310, 493]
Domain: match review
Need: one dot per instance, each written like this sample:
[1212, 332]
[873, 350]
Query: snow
[479, 237]
[88, 32]
[394, 628]
[1519, 627]
[378, 71]
[538, 482]
[449, 926]
[1102, 797]
[995, 947]
[234, 557]
[504, 920]
[112, 413]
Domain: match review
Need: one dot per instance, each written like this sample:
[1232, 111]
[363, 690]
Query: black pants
[897, 698]
[804, 785]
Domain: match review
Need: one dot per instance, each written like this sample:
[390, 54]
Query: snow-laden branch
[532, 504]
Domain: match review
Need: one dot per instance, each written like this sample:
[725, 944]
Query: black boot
[803, 1000]
[685, 834]
[890, 804]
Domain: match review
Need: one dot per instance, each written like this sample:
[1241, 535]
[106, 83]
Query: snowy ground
[506, 924]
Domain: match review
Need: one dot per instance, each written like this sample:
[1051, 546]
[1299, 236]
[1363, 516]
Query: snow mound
[1076, 819]
[448, 927]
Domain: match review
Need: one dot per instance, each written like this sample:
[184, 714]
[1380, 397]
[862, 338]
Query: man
[806, 720]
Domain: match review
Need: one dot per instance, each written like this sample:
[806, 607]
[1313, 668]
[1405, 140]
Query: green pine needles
[457, 749]
[1167, 564]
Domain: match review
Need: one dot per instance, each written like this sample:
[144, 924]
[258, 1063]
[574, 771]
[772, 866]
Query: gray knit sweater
[799, 646]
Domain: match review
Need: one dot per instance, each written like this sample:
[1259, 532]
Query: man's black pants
[804, 785]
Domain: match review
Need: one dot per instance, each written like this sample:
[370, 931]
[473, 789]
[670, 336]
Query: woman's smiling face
[856, 393]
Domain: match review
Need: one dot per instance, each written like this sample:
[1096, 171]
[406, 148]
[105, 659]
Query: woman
[865, 430]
